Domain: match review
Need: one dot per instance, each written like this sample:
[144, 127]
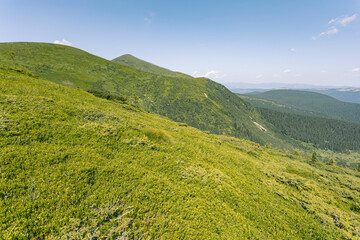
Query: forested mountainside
[324, 133]
[305, 102]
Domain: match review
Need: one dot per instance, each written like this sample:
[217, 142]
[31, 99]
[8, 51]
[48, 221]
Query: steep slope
[199, 102]
[76, 166]
[142, 65]
[310, 103]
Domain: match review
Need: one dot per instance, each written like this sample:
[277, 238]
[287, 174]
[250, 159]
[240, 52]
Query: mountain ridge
[134, 62]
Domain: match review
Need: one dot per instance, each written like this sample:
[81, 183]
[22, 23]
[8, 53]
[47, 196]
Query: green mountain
[343, 94]
[75, 166]
[307, 126]
[198, 102]
[324, 133]
[309, 103]
[142, 65]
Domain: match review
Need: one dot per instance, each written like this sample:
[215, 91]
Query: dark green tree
[314, 157]
[12, 56]
[332, 162]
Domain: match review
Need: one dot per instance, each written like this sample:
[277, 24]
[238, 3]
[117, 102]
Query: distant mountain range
[309, 103]
[346, 94]
[276, 85]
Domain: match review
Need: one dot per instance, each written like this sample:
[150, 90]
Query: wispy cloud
[213, 74]
[342, 20]
[292, 50]
[287, 71]
[210, 74]
[355, 70]
[149, 19]
[333, 23]
[63, 42]
[333, 30]
[259, 76]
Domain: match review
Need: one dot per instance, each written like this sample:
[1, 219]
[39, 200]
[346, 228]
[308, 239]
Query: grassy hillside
[142, 65]
[310, 103]
[77, 166]
[178, 98]
[199, 102]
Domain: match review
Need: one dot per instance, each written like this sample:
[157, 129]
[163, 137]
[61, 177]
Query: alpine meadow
[92, 148]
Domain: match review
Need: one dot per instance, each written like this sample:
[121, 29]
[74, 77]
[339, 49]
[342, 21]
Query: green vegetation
[324, 133]
[308, 103]
[76, 165]
[142, 65]
[342, 94]
[199, 102]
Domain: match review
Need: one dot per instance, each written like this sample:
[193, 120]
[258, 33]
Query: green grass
[72, 163]
[199, 102]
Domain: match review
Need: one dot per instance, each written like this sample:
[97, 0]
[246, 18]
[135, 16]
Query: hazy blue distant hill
[343, 94]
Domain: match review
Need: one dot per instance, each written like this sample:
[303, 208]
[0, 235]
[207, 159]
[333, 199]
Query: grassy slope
[309, 103]
[67, 156]
[199, 102]
[142, 65]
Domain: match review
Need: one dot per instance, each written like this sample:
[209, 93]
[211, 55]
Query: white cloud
[323, 71]
[287, 71]
[276, 75]
[342, 20]
[63, 42]
[259, 76]
[339, 21]
[333, 30]
[355, 70]
[292, 50]
[210, 74]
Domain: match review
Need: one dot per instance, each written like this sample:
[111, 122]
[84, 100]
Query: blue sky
[254, 41]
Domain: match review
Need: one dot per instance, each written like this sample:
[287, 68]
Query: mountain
[142, 65]
[77, 166]
[343, 94]
[305, 102]
[238, 87]
[199, 102]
